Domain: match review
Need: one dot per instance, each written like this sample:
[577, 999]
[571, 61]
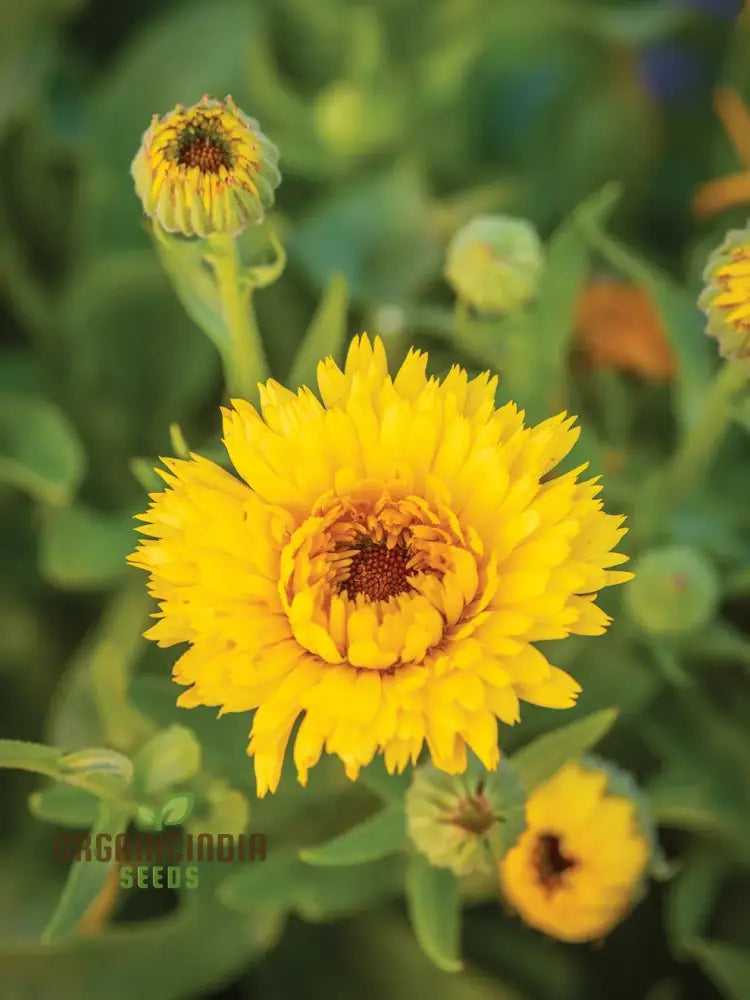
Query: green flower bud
[170, 758]
[494, 263]
[462, 821]
[675, 590]
[726, 297]
[206, 169]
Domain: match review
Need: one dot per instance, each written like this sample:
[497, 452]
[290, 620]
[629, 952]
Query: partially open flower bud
[494, 263]
[205, 169]
[451, 818]
[675, 590]
[726, 297]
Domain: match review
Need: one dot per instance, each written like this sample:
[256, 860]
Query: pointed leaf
[325, 336]
[378, 836]
[435, 912]
[544, 756]
[87, 877]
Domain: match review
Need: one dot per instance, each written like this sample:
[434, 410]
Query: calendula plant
[413, 548]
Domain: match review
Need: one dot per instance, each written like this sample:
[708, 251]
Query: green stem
[695, 453]
[244, 362]
[697, 449]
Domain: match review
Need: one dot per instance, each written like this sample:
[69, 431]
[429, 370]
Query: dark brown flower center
[199, 147]
[378, 572]
[550, 861]
[474, 815]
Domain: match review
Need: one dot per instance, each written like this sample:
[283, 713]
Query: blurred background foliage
[397, 122]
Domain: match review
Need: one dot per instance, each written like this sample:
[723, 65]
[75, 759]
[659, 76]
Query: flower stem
[694, 454]
[244, 359]
[696, 451]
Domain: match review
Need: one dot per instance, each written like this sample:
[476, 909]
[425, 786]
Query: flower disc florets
[382, 567]
[205, 169]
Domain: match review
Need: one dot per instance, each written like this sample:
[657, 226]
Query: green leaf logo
[177, 809]
[146, 816]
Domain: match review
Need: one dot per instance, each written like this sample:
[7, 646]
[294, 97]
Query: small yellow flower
[205, 169]
[576, 869]
[726, 297]
[618, 327]
[382, 567]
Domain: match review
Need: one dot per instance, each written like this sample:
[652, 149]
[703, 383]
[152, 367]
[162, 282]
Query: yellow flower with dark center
[381, 568]
[576, 870]
[205, 169]
[726, 297]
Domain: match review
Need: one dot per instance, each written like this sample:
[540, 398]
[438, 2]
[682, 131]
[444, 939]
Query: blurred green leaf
[39, 450]
[98, 762]
[91, 703]
[285, 883]
[325, 336]
[378, 836]
[64, 805]
[537, 348]
[171, 757]
[544, 756]
[213, 944]
[82, 548]
[388, 787]
[692, 895]
[435, 912]
[87, 876]
[727, 965]
[33, 757]
[376, 233]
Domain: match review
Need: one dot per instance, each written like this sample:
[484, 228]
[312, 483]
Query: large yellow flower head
[577, 868]
[382, 567]
[205, 169]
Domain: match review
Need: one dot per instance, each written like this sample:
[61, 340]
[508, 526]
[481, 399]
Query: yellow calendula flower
[576, 870]
[205, 169]
[726, 296]
[382, 567]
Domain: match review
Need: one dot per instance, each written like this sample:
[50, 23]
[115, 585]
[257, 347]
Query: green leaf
[538, 344]
[375, 232]
[33, 757]
[82, 548]
[171, 757]
[378, 836]
[87, 877]
[177, 809]
[727, 965]
[65, 805]
[39, 450]
[284, 883]
[94, 686]
[325, 336]
[692, 896]
[435, 912]
[544, 756]
[98, 761]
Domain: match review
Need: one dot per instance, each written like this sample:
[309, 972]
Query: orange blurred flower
[618, 327]
[733, 189]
